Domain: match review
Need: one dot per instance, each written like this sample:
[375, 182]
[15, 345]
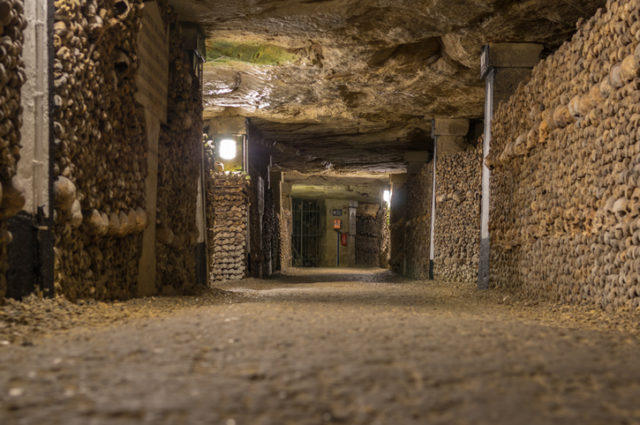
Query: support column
[30, 255]
[351, 244]
[397, 220]
[202, 260]
[415, 161]
[286, 225]
[449, 136]
[152, 81]
[276, 191]
[503, 66]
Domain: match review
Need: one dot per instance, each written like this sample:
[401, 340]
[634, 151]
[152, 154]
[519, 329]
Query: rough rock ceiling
[359, 187]
[357, 81]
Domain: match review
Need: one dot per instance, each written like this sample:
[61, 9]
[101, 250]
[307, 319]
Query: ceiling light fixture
[386, 196]
[227, 149]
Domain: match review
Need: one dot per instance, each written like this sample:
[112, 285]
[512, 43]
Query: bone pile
[369, 224]
[417, 228]
[100, 165]
[457, 228]
[227, 208]
[179, 162]
[12, 77]
[565, 215]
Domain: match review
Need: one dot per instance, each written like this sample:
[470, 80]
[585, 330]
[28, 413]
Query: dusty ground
[343, 347]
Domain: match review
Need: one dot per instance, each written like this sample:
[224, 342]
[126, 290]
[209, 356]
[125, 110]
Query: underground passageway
[328, 346]
[311, 212]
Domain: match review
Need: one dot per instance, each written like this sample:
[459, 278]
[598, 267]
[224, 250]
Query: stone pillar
[351, 244]
[276, 190]
[449, 137]
[152, 80]
[30, 255]
[202, 260]
[415, 161]
[397, 220]
[503, 66]
[286, 226]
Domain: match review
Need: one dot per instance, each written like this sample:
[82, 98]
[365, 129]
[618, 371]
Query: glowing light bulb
[386, 195]
[228, 149]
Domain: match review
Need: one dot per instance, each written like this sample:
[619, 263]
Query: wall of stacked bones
[565, 213]
[179, 162]
[227, 209]
[99, 149]
[457, 227]
[369, 234]
[12, 77]
[417, 228]
[100, 165]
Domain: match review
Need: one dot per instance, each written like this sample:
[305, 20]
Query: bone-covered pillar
[449, 136]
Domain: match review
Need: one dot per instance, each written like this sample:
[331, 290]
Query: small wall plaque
[336, 213]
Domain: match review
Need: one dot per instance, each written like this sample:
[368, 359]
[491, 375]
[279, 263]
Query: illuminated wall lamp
[227, 149]
[386, 196]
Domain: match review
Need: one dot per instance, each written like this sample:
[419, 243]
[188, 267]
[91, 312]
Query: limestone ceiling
[359, 187]
[355, 82]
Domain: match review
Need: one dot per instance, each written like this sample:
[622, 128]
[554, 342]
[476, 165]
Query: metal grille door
[306, 233]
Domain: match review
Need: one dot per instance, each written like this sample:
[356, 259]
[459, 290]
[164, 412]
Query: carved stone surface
[355, 82]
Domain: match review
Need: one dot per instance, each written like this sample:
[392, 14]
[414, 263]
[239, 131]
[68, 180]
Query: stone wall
[418, 222]
[457, 231]
[12, 77]
[328, 236]
[262, 208]
[286, 222]
[385, 239]
[100, 162]
[369, 228]
[565, 193]
[179, 163]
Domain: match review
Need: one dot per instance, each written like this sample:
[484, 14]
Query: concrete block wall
[565, 190]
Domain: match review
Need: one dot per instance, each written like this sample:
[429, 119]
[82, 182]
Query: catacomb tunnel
[319, 212]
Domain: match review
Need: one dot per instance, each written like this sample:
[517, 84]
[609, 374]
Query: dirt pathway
[327, 347]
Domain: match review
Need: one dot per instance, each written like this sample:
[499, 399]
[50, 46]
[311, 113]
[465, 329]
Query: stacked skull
[457, 231]
[565, 211]
[12, 77]
[100, 165]
[227, 209]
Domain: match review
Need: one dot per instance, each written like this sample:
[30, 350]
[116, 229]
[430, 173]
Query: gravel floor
[321, 346]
